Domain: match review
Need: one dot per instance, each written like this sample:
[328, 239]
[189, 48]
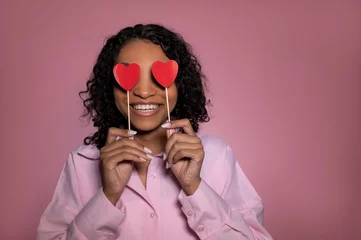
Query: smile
[145, 109]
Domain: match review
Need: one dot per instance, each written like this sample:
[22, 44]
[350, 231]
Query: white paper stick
[128, 110]
[166, 95]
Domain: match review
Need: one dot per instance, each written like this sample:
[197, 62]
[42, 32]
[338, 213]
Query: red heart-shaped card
[165, 73]
[127, 77]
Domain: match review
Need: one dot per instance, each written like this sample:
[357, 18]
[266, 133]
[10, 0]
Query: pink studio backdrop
[284, 78]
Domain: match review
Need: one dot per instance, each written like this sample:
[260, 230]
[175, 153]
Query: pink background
[285, 80]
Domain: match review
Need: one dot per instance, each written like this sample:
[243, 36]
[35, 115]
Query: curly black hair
[190, 82]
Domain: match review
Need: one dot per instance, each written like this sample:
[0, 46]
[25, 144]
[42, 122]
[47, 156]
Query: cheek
[172, 95]
[119, 98]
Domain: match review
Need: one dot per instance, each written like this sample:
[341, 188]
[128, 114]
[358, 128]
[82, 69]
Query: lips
[145, 110]
[145, 107]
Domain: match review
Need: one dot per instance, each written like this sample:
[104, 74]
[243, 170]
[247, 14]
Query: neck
[155, 140]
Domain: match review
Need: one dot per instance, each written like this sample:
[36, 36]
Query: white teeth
[143, 107]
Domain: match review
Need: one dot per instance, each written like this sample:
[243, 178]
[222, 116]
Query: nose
[145, 87]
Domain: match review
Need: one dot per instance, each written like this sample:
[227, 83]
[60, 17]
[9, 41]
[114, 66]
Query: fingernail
[142, 159]
[147, 150]
[150, 156]
[165, 125]
[131, 132]
[117, 138]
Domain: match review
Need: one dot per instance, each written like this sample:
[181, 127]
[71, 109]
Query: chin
[147, 125]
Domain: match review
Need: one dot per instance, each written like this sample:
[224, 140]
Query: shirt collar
[89, 151]
[92, 152]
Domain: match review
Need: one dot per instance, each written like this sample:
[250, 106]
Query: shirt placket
[153, 190]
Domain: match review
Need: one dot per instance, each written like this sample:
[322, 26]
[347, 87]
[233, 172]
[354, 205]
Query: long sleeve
[236, 212]
[66, 217]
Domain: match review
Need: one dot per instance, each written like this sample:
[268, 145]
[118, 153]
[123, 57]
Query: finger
[179, 137]
[113, 133]
[181, 123]
[125, 142]
[182, 145]
[113, 161]
[128, 149]
[170, 132]
[187, 153]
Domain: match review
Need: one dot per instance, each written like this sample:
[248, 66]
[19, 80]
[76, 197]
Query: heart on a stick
[165, 73]
[127, 77]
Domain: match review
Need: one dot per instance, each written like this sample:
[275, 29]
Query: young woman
[145, 183]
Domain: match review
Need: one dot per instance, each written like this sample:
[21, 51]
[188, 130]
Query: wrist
[192, 188]
[113, 198]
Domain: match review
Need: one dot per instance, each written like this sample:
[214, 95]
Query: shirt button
[152, 176]
[152, 215]
[200, 229]
[190, 213]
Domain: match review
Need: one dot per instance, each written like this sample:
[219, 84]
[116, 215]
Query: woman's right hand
[117, 158]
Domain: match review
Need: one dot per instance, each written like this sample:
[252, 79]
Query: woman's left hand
[185, 155]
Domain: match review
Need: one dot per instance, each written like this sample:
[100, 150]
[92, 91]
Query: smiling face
[148, 103]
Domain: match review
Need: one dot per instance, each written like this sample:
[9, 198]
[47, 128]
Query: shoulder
[219, 162]
[81, 172]
[90, 152]
[212, 143]
[214, 147]
[83, 158]
[216, 152]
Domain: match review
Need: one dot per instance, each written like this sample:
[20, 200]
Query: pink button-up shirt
[225, 205]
